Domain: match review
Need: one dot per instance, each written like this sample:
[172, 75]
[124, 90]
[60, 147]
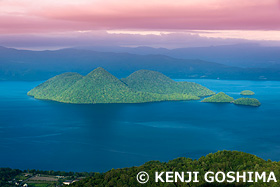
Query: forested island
[219, 98]
[247, 102]
[247, 93]
[224, 98]
[220, 161]
[99, 86]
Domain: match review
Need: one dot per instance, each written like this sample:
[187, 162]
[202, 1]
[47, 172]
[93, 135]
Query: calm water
[55, 136]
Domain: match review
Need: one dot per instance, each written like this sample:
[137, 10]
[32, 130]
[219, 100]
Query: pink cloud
[30, 16]
[207, 14]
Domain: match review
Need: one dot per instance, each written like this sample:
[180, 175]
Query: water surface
[49, 135]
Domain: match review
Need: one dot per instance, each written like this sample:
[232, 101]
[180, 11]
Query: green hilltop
[156, 82]
[224, 98]
[55, 86]
[219, 98]
[225, 161]
[247, 102]
[99, 86]
[247, 92]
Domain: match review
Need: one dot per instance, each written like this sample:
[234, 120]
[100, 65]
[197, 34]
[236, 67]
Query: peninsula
[219, 98]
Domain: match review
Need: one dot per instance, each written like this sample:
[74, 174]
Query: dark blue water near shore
[55, 136]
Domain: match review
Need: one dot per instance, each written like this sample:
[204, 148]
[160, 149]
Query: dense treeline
[221, 161]
[6, 175]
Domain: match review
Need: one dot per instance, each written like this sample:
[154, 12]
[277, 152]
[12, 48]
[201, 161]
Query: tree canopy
[219, 98]
[99, 86]
[247, 101]
[247, 92]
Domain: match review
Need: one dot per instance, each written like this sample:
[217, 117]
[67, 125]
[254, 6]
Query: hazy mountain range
[41, 65]
[240, 55]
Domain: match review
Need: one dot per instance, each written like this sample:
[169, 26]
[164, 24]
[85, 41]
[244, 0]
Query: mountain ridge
[24, 65]
[240, 55]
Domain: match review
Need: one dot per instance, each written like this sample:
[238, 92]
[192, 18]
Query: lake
[48, 135]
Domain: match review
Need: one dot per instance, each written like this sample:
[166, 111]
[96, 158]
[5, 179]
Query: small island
[218, 98]
[247, 102]
[247, 93]
[100, 86]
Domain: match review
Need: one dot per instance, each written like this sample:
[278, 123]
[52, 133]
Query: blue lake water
[55, 136]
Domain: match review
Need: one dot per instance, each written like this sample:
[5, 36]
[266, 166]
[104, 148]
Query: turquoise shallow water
[55, 136]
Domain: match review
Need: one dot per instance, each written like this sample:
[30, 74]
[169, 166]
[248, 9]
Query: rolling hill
[156, 82]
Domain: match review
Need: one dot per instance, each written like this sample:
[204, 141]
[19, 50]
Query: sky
[47, 24]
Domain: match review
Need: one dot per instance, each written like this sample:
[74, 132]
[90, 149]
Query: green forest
[220, 161]
[247, 102]
[218, 98]
[99, 86]
[247, 92]
[156, 82]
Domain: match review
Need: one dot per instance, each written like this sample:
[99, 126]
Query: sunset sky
[157, 23]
